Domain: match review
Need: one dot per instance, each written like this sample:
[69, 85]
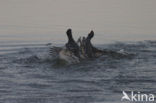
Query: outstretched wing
[54, 51]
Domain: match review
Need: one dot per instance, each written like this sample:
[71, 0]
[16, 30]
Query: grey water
[28, 73]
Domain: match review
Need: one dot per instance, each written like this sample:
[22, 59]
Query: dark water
[27, 75]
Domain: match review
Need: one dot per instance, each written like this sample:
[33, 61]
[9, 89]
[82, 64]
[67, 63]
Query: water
[27, 74]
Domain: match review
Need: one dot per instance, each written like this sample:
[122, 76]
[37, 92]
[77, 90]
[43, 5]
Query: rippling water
[27, 71]
[27, 74]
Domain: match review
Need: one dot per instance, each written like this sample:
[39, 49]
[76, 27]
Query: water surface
[27, 73]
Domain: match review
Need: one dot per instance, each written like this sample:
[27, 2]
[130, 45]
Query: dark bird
[71, 45]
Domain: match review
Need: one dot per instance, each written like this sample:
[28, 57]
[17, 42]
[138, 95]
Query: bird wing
[54, 51]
